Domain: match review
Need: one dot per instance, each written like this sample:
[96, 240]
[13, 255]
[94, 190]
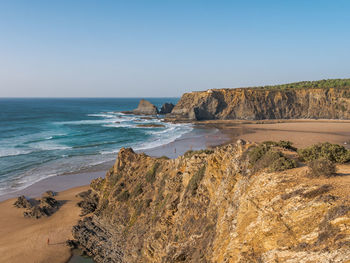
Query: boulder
[145, 108]
[166, 108]
[22, 202]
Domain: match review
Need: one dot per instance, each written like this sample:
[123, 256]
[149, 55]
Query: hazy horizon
[134, 49]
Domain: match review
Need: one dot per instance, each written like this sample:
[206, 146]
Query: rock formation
[210, 206]
[260, 103]
[166, 108]
[38, 208]
[145, 108]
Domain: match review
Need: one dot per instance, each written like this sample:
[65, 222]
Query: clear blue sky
[165, 48]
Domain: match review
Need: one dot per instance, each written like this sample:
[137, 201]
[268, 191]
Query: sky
[149, 48]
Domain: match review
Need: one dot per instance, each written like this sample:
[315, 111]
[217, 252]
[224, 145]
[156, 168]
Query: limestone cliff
[257, 104]
[209, 207]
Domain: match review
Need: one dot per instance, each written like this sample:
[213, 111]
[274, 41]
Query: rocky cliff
[210, 207]
[259, 103]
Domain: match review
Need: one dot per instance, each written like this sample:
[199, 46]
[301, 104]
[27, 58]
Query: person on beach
[48, 241]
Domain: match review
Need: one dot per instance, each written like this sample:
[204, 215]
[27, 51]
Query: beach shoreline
[214, 133]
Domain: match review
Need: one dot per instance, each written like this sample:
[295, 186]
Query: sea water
[41, 137]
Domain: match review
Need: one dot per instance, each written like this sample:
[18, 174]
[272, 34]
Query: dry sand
[301, 132]
[24, 240]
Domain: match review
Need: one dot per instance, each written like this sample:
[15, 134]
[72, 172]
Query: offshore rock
[258, 104]
[208, 207]
[166, 108]
[145, 108]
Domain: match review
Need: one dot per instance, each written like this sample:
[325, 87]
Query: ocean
[44, 137]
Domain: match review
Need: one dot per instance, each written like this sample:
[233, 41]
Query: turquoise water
[40, 138]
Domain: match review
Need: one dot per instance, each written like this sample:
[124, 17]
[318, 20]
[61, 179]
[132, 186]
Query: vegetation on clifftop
[319, 84]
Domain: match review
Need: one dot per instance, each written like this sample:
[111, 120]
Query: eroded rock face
[209, 207]
[166, 108]
[257, 104]
[146, 108]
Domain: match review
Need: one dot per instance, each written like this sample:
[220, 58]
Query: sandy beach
[302, 133]
[25, 240]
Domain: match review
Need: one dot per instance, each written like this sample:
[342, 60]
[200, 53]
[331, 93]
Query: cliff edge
[211, 206]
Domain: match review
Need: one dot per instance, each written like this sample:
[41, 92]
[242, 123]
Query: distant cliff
[329, 99]
[210, 207]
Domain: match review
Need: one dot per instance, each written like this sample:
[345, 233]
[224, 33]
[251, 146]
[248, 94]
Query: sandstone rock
[208, 207]
[89, 202]
[258, 104]
[166, 108]
[22, 202]
[50, 193]
[37, 209]
[146, 108]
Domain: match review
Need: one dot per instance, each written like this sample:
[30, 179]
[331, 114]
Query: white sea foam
[13, 152]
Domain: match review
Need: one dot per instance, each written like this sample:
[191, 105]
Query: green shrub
[282, 164]
[275, 161]
[264, 156]
[151, 174]
[332, 152]
[321, 167]
[195, 180]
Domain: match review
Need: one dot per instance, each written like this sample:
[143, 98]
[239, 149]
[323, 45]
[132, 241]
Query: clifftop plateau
[212, 206]
[327, 99]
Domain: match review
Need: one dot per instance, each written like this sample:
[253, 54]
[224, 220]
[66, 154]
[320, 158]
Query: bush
[321, 167]
[151, 174]
[332, 152]
[282, 164]
[275, 162]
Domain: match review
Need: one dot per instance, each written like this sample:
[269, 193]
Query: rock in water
[146, 108]
[166, 108]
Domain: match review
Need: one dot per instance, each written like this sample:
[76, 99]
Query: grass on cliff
[266, 155]
[332, 152]
[319, 84]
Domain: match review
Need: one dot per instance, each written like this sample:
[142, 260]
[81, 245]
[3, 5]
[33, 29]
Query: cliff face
[257, 104]
[207, 207]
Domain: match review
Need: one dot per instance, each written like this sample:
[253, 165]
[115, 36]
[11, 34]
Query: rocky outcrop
[46, 206]
[257, 104]
[166, 108]
[209, 206]
[145, 108]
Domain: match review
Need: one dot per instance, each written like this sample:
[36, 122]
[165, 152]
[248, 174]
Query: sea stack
[145, 108]
[166, 108]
